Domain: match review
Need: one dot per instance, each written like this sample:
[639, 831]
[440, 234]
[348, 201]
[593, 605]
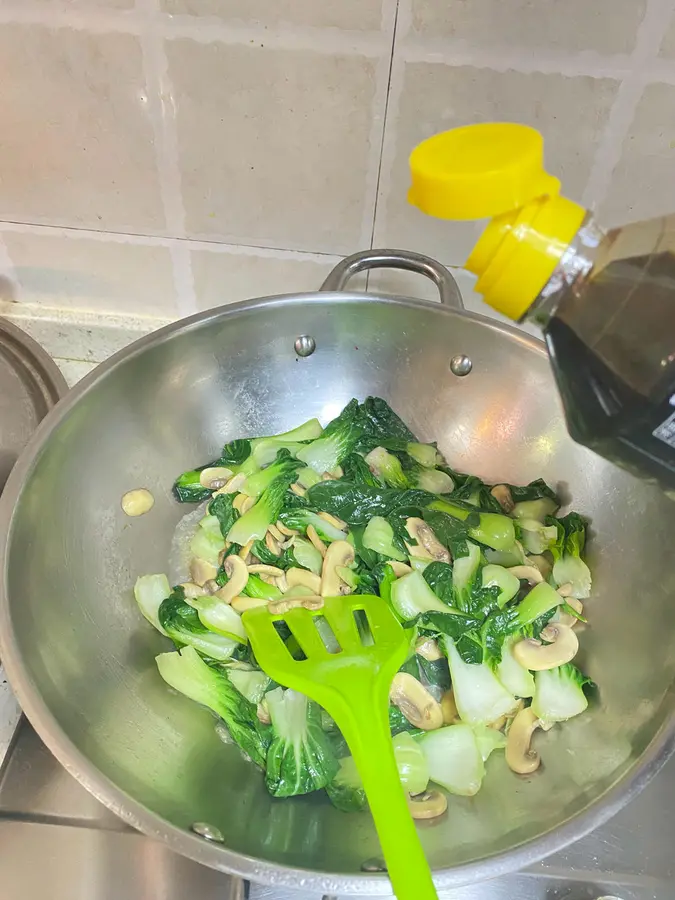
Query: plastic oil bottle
[604, 300]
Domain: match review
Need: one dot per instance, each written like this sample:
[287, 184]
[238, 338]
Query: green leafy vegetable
[188, 673]
[379, 537]
[235, 453]
[221, 507]
[454, 759]
[568, 566]
[438, 575]
[264, 512]
[300, 519]
[300, 758]
[338, 440]
[559, 694]
[282, 470]
[357, 504]
[182, 624]
[150, 592]
[480, 697]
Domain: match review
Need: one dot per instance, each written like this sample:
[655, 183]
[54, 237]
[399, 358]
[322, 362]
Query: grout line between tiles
[380, 136]
[181, 260]
[377, 124]
[162, 111]
[415, 48]
[647, 45]
[162, 107]
[388, 150]
[160, 241]
[527, 61]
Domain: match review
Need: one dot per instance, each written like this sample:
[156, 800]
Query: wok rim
[185, 843]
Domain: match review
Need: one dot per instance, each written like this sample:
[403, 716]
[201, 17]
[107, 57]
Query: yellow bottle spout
[496, 170]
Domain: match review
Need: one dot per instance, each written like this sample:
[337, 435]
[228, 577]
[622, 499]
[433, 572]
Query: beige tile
[227, 277]
[78, 4]
[352, 14]
[668, 44]
[606, 26]
[83, 273]
[570, 112]
[79, 151]
[273, 144]
[643, 184]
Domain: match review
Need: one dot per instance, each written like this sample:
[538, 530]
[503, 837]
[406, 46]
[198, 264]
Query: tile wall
[160, 157]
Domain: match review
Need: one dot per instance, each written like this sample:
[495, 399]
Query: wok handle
[396, 259]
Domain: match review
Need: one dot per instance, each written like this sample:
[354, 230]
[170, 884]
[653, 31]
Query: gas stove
[57, 842]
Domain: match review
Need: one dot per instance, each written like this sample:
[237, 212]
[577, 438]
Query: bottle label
[666, 431]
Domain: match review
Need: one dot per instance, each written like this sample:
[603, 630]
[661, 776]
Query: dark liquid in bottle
[633, 429]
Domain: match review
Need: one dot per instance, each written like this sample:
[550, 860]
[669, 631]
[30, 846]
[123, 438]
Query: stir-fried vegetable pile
[487, 581]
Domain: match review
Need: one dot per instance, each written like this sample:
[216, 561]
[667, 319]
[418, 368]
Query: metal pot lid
[30, 384]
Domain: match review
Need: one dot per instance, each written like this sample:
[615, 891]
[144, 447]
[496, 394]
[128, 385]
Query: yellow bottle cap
[496, 170]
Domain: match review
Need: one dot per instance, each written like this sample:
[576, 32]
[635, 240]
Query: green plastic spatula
[353, 685]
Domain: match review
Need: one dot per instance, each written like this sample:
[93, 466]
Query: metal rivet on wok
[208, 832]
[305, 345]
[460, 365]
[373, 865]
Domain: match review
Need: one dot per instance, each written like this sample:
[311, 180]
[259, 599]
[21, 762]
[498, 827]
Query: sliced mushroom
[400, 568]
[246, 550]
[261, 569]
[428, 546]
[519, 757]
[279, 607]
[268, 579]
[241, 604]
[502, 494]
[272, 544]
[237, 573]
[275, 532]
[415, 702]
[561, 647]
[498, 724]
[316, 540]
[281, 582]
[137, 502]
[211, 586]
[565, 590]
[214, 477]
[296, 576]
[449, 708]
[263, 714]
[242, 503]
[286, 532]
[192, 590]
[527, 573]
[428, 805]
[234, 485]
[428, 649]
[338, 554]
[202, 571]
[333, 520]
[568, 618]
[298, 489]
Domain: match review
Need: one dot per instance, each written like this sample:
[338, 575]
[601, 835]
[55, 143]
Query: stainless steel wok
[80, 656]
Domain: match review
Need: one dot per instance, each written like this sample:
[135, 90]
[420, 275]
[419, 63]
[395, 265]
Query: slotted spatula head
[325, 676]
[351, 681]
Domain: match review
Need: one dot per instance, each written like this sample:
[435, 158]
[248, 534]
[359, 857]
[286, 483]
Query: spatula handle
[406, 863]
